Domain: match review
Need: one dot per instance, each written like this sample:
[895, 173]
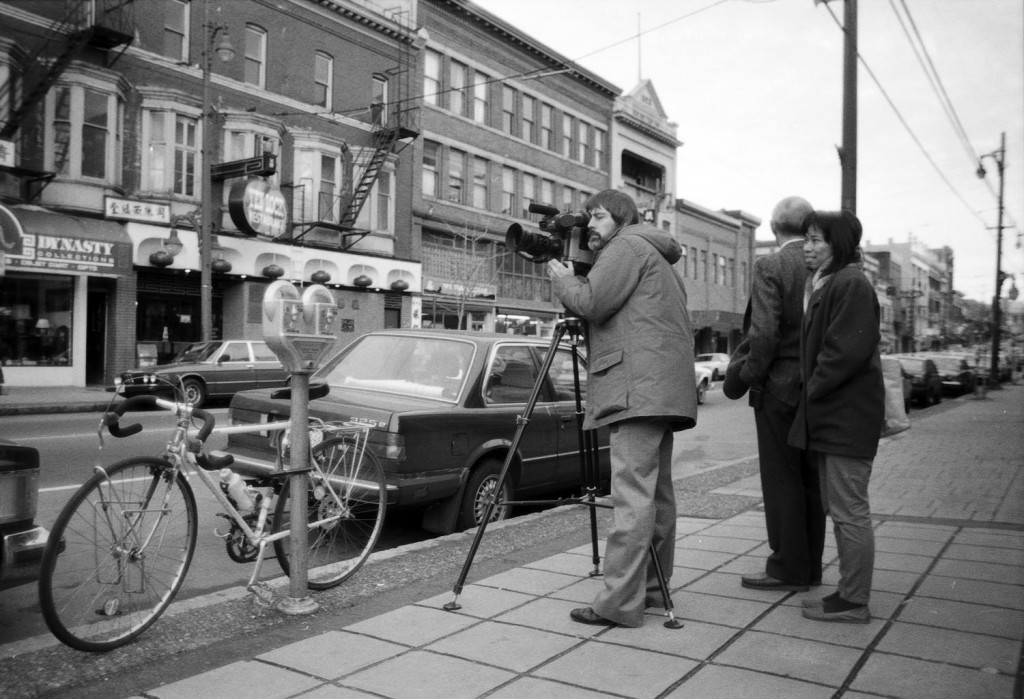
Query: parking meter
[300, 331]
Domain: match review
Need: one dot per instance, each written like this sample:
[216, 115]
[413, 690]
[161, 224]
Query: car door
[511, 377]
[233, 370]
[269, 371]
[569, 469]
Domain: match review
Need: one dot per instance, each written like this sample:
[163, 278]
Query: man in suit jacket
[793, 511]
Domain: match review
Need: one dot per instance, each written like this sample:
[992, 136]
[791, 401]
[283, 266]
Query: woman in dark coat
[842, 408]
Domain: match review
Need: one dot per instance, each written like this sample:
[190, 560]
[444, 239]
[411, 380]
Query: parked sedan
[957, 376]
[444, 406]
[702, 376]
[716, 363]
[926, 383]
[21, 540]
[206, 370]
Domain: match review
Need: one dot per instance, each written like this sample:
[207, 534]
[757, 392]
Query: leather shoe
[857, 615]
[767, 582]
[586, 615]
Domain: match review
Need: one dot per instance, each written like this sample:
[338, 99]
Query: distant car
[702, 376]
[957, 376]
[444, 407]
[205, 370]
[716, 362]
[926, 383]
[21, 540]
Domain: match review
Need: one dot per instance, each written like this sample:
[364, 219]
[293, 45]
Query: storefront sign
[131, 210]
[48, 240]
[256, 207]
[8, 154]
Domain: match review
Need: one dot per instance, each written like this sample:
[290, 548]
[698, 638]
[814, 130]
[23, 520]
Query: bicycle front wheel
[117, 554]
[351, 505]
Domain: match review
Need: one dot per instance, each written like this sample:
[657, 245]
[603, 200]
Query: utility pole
[848, 150]
[848, 160]
[999, 156]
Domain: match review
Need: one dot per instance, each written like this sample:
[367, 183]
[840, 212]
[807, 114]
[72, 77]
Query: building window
[430, 166]
[529, 119]
[379, 101]
[547, 120]
[323, 79]
[456, 175]
[480, 183]
[567, 136]
[431, 77]
[547, 192]
[704, 265]
[481, 105]
[255, 55]
[508, 191]
[459, 80]
[529, 194]
[508, 110]
[35, 328]
[522, 280]
[176, 30]
[85, 134]
[172, 153]
[568, 198]
[683, 259]
[584, 143]
[693, 263]
[384, 201]
[600, 147]
[327, 208]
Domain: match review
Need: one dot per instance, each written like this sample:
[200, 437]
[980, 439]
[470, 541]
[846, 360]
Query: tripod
[589, 468]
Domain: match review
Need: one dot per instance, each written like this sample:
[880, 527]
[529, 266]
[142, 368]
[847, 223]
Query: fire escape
[394, 126]
[104, 25]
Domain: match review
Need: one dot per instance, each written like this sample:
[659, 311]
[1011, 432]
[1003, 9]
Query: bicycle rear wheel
[117, 554]
[338, 548]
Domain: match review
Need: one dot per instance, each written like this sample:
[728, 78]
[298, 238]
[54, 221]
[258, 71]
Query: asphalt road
[69, 448]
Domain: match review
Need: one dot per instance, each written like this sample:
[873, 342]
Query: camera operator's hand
[558, 269]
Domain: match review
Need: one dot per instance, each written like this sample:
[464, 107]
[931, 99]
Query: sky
[756, 89]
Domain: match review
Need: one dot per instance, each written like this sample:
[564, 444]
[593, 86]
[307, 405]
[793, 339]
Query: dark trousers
[793, 510]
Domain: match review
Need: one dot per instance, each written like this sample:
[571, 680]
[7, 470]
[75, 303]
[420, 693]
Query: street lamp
[225, 52]
[999, 156]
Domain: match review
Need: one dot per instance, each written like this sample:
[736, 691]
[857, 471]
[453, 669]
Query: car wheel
[479, 490]
[195, 392]
[702, 391]
[715, 376]
[937, 398]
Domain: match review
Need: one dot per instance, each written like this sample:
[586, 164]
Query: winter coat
[842, 408]
[640, 345]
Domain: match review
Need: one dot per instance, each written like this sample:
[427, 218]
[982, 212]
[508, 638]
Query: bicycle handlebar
[110, 419]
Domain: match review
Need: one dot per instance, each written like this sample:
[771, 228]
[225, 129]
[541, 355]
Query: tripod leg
[672, 622]
[521, 422]
[589, 463]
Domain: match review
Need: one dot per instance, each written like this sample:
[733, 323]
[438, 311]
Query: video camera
[562, 236]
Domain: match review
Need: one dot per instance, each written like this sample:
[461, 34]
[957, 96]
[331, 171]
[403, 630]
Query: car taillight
[393, 446]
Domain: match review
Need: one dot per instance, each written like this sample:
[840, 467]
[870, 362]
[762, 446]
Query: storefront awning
[54, 241]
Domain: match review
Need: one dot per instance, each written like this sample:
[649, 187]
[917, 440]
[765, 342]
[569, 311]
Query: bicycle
[122, 545]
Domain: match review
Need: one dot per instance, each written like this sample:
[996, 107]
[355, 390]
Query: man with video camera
[640, 385]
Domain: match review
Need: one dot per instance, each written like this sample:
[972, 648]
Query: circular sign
[258, 208]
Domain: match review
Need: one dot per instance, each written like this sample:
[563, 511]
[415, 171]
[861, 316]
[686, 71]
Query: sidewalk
[35, 400]
[947, 604]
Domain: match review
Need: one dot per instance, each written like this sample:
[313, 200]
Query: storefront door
[96, 338]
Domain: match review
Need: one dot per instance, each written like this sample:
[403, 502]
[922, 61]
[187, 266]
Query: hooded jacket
[640, 345]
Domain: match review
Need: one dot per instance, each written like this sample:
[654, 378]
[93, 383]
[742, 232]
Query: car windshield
[949, 365]
[198, 352]
[413, 366]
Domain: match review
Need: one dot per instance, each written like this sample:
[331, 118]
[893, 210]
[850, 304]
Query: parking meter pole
[300, 329]
[298, 601]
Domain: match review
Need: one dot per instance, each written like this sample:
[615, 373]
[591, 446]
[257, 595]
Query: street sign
[265, 164]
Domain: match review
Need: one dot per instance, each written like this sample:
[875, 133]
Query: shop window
[36, 320]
